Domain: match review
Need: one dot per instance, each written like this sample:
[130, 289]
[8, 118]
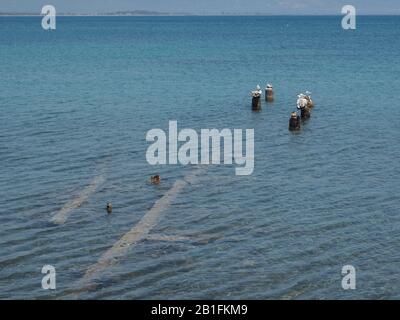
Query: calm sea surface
[77, 102]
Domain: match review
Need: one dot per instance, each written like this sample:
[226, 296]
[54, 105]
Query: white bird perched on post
[257, 92]
[302, 102]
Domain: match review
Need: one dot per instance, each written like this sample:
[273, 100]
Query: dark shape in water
[256, 103]
[256, 100]
[109, 207]
[305, 113]
[155, 179]
[269, 93]
[294, 122]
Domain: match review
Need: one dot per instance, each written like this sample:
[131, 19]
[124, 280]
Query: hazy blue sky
[207, 6]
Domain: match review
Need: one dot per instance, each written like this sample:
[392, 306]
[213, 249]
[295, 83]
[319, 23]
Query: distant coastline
[135, 13]
[147, 13]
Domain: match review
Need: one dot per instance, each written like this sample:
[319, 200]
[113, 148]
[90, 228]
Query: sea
[77, 102]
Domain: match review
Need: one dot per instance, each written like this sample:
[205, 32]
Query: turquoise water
[76, 104]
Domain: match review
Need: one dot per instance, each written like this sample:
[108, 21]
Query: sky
[291, 7]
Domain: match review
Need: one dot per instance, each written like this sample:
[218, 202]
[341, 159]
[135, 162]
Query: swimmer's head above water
[155, 179]
[109, 207]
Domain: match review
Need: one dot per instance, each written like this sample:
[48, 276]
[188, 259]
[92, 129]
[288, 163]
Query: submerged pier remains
[269, 93]
[310, 103]
[139, 232]
[294, 122]
[304, 104]
[256, 99]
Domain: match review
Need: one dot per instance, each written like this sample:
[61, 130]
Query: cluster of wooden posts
[256, 96]
[304, 104]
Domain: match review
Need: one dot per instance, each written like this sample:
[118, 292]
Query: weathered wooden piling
[269, 93]
[256, 99]
[303, 102]
[294, 122]
[256, 102]
[305, 113]
[310, 103]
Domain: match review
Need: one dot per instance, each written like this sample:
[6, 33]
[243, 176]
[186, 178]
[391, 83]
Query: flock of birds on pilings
[304, 105]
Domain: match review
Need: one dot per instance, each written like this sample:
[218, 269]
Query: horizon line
[22, 14]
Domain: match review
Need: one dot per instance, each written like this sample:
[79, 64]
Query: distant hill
[143, 13]
[117, 13]
[18, 14]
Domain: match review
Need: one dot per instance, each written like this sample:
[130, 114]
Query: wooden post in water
[256, 99]
[269, 93]
[310, 103]
[256, 103]
[294, 122]
[305, 113]
[303, 104]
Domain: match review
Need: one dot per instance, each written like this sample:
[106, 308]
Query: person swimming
[109, 207]
[155, 179]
